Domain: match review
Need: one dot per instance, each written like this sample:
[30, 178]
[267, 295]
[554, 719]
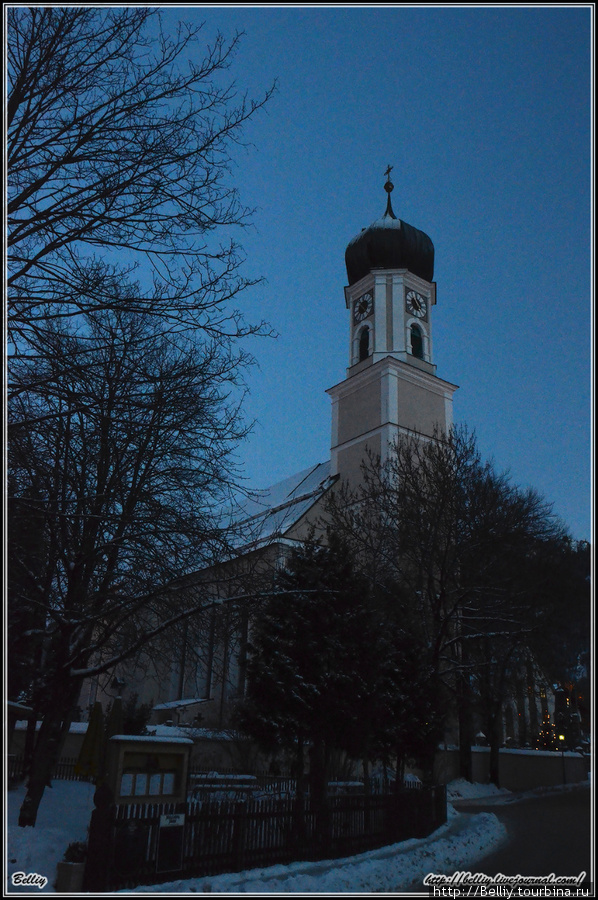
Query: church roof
[274, 511]
[390, 243]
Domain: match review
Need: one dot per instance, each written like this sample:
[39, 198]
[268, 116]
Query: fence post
[323, 827]
[440, 805]
[367, 821]
[99, 843]
[395, 817]
[239, 824]
[298, 833]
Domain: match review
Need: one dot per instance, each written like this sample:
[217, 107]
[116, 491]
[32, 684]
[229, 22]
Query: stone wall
[519, 770]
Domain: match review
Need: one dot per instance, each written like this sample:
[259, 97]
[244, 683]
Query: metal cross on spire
[388, 187]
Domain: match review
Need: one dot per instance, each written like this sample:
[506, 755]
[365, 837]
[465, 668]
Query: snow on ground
[66, 808]
[63, 817]
[466, 794]
[460, 789]
[396, 868]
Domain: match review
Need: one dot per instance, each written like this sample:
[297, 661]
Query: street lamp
[562, 739]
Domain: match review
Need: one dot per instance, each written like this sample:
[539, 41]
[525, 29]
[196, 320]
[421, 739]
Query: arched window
[364, 344]
[417, 342]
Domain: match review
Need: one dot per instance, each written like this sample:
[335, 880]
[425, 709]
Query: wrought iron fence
[64, 770]
[141, 844]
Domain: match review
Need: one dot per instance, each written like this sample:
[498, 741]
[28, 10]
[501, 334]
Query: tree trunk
[400, 771]
[317, 772]
[29, 744]
[465, 730]
[318, 791]
[50, 739]
[300, 767]
[534, 725]
[367, 789]
[494, 737]
[367, 784]
[385, 768]
[299, 830]
[521, 714]
[225, 663]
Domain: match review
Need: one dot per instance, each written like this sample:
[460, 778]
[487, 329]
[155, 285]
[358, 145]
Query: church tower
[391, 386]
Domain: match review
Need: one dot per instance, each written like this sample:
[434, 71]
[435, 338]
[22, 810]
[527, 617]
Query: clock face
[416, 304]
[363, 307]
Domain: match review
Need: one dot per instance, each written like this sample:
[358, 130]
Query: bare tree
[124, 395]
[118, 152]
[121, 461]
[459, 539]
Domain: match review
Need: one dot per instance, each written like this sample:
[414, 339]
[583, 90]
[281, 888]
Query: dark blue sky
[485, 114]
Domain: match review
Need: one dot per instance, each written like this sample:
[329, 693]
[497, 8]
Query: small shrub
[76, 852]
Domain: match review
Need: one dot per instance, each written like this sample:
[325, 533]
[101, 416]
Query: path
[549, 832]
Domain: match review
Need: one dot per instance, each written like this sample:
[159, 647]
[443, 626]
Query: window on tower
[364, 344]
[417, 342]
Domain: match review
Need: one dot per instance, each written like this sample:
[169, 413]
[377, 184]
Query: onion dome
[390, 243]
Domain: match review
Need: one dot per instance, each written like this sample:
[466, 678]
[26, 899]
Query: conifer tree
[304, 657]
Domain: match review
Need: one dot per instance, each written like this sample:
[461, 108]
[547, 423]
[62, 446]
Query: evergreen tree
[305, 655]
[339, 663]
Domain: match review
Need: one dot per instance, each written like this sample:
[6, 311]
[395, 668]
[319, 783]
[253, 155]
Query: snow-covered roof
[197, 733]
[75, 727]
[15, 707]
[176, 704]
[150, 739]
[198, 777]
[273, 511]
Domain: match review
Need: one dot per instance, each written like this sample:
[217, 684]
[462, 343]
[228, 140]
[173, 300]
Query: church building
[390, 389]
